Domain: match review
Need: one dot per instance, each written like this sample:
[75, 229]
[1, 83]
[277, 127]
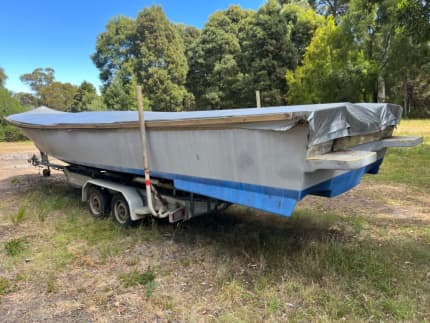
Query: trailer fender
[135, 203]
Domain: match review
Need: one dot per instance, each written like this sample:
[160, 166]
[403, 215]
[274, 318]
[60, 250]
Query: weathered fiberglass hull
[266, 158]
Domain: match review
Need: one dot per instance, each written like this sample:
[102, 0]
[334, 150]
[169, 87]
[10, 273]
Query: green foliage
[330, 73]
[217, 74]
[120, 95]
[58, 95]
[3, 77]
[8, 106]
[149, 51]
[18, 217]
[27, 100]
[362, 51]
[39, 78]
[96, 104]
[114, 48]
[15, 247]
[274, 46]
[134, 278]
[240, 51]
[162, 65]
[85, 98]
[4, 286]
[370, 48]
[414, 16]
[189, 34]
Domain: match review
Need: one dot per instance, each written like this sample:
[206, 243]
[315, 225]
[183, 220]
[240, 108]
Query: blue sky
[62, 34]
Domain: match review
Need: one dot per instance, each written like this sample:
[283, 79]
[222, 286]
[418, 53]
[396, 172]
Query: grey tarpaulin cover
[326, 121]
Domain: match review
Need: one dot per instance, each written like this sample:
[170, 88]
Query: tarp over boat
[326, 121]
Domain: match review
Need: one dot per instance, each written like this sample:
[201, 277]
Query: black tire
[46, 172]
[98, 202]
[121, 211]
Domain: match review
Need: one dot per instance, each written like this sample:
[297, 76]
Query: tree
[39, 78]
[334, 8]
[386, 31]
[414, 17]
[84, 96]
[189, 34]
[149, 51]
[329, 72]
[275, 44]
[120, 94]
[161, 65]
[3, 77]
[8, 106]
[97, 104]
[371, 55]
[115, 57]
[115, 48]
[27, 100]
[58, 95]
[216, 76]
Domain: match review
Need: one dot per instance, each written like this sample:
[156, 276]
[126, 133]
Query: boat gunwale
[195, 123]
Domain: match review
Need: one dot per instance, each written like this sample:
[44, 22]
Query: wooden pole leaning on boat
[144, 149]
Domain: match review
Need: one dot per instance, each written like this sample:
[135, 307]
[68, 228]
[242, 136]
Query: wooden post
[257, 97]
[144, 148]
[142, 126]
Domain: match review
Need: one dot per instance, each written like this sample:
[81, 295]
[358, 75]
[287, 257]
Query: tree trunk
[381, 89]
[405, 99]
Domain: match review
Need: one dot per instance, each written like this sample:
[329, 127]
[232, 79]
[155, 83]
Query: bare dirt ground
[187, 288]
[14, 162]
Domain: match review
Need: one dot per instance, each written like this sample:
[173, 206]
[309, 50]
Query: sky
[62, 34]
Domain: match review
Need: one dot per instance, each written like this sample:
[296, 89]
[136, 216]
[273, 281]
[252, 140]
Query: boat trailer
[125, 196]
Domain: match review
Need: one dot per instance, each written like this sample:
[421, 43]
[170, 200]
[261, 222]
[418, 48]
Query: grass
[134, 278]
[323, 264]
[4, 285]
[409, 166]
[14, 247]
[18, 217]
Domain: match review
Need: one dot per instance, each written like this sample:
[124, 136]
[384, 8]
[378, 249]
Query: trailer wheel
[121, 211]
[98, 202]
[46, 172]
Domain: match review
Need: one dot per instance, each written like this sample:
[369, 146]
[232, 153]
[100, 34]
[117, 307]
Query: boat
[264, 158]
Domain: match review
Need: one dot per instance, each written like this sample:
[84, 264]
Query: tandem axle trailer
[125, 197]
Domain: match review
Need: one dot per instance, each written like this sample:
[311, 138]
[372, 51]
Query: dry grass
[363, 256]
[15, 147]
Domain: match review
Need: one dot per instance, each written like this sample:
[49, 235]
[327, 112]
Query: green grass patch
[4, 286]
[64, 221]
[19, 216]
[134, 278]
[408, 165]
[15, 247]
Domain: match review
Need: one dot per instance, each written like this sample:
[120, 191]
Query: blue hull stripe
[270, 199]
